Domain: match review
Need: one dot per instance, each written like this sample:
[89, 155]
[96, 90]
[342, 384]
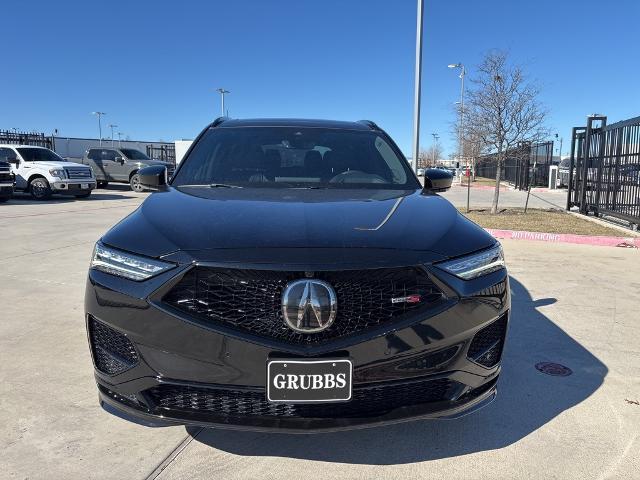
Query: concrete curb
[626, 242]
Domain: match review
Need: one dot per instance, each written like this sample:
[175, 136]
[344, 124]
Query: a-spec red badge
[407, 299]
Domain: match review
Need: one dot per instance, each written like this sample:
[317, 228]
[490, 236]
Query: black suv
[295, 275]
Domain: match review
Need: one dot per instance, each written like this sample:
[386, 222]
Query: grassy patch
[490, 182]
[538, 220]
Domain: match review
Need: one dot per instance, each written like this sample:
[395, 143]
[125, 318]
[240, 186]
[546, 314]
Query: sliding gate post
[572, 163]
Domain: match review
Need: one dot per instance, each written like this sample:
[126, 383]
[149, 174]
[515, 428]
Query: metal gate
[527, 163]
[604, 169]
[16, 137]
[166, 153]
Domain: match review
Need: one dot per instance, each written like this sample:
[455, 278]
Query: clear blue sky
[153, 66]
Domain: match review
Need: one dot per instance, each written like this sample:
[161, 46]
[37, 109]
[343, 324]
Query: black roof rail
[218, 121]
[370, 124]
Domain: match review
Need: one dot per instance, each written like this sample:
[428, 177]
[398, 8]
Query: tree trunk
[496, 192]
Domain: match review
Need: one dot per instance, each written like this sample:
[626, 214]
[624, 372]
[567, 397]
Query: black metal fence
[166, 153]
[604, 170]
[526, 163]
[16, 137]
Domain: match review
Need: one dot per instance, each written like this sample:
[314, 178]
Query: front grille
[486, 346]
[76, 173]
[250, 300]
[365, 402]
[113, 352]
[5, 175]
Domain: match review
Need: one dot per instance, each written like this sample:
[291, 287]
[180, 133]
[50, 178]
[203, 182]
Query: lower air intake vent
[486, 346]
[366, 401]
[113, 352]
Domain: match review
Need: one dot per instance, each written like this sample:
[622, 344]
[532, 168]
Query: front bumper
[73, 187]
[220, 376]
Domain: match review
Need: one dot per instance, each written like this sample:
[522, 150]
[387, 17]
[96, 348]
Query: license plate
[309, 381]
[84, 186]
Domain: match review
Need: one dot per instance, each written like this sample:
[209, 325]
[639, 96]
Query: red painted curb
[626, 242]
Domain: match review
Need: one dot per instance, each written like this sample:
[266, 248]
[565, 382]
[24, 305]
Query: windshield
[133, 154]
[285, 157]
[39, 155]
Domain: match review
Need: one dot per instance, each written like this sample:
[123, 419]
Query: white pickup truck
[42, 172]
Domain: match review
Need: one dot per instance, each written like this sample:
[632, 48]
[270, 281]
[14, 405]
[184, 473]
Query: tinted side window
[7, 154]
[108, 154]
[94, 154]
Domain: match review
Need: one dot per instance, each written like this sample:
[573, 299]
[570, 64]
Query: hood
[57, 164]
[205, 221]
[150, 162]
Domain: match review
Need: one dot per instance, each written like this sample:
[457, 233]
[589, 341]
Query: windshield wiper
[212, 185]
[223, 185]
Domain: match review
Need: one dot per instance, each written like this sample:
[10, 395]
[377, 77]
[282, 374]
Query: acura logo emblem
[309, 306]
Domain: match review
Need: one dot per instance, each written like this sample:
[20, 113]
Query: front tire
[135, 184]
[39, 189]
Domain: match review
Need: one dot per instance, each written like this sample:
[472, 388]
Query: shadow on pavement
[20, 198]
[527, 400]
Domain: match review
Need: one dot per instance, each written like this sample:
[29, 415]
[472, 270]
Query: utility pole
[112, 126]
[417, 85]
[222, 92]
[99, 115]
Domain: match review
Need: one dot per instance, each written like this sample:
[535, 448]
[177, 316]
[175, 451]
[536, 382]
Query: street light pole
[560, 149]
[112, 126]
[222, 92]
[461, 126]
[99, 114]
[119, 139]
[417, 85]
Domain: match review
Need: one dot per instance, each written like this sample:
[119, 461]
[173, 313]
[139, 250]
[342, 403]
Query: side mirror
[119, 159]
[153, 177]
[437, 180]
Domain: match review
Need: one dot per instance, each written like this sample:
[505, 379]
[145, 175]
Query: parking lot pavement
[574, 305]
[482, 197]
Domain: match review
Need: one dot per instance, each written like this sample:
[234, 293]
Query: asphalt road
[575, 305]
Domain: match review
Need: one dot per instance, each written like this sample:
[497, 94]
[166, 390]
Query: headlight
[475, 265]
[58, 172]
[126, 265]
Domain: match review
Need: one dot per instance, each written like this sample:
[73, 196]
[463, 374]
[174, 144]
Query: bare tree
[472, 146]
[502, 110]
[423, 158]
[430, 156]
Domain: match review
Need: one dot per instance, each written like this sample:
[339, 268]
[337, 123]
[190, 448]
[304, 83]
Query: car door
[17, 166]
[114, 164]
[94, 160]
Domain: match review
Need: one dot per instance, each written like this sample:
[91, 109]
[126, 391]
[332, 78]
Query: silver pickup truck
[121, 165]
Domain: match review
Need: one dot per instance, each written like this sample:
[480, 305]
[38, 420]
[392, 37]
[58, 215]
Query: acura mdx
[295, 275]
